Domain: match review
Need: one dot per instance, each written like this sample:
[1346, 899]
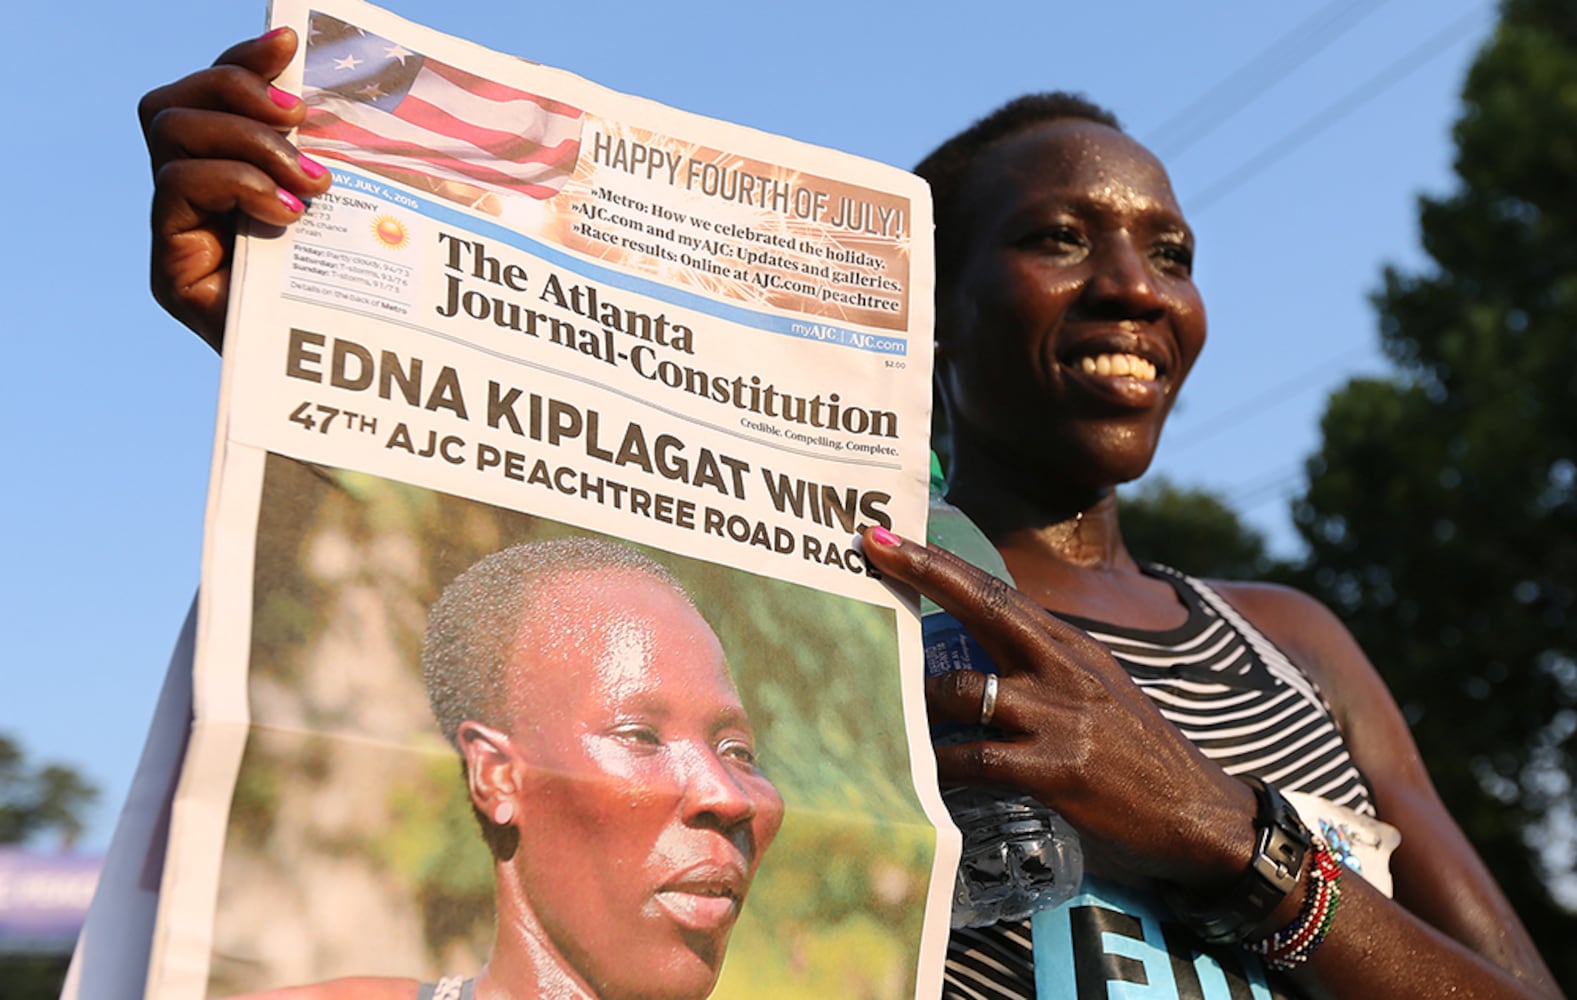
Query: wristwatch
[1243, 912]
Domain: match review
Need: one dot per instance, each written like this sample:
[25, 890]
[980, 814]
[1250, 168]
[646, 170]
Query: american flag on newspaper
[377, 105]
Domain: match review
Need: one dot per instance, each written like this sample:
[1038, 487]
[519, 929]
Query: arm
[1080, 736]
[216, 144]
[1438, 875]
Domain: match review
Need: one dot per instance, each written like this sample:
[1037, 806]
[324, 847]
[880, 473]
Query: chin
[1132, 472]
[1101, 463]
[686, 971]
[1124, 451]
[668, 985]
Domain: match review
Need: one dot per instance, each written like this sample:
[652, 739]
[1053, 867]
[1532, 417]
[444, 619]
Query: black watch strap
[1243, 912]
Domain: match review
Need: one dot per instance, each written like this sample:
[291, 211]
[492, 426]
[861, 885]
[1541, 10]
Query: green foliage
[1441, 514]
[36, 799]
[433, 843]
[33, 977]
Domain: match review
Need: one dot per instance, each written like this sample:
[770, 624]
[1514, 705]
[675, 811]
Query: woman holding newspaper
[1067, 322]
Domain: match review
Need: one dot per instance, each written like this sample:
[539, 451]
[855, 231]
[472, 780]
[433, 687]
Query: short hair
[473, 626]
[946, 169]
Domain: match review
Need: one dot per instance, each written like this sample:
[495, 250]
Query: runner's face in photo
[644, 815]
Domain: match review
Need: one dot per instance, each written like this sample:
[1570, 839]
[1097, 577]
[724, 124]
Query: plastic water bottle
[1018, 856]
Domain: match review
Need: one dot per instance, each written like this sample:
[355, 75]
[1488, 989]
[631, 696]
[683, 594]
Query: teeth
[1130, 365]
[712, 891]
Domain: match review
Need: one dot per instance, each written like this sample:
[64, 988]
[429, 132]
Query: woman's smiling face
[1073, 317]
[643, 815]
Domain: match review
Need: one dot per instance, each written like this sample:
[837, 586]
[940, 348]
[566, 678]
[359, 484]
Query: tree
[34, 800]
[1441, 510]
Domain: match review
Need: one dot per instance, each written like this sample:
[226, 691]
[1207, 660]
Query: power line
[1243, 86]
[1272, 65]
[1392, 74]
[1266, 488]
[1280, 392]
[1372, 88]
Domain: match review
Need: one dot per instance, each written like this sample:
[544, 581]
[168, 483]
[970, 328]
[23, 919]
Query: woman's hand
[217, 147]
[1077, 733]
[1081, 737]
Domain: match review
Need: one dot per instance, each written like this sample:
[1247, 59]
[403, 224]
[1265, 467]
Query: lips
[704, 897]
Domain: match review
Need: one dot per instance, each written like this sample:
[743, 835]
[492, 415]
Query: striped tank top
[1228, 688]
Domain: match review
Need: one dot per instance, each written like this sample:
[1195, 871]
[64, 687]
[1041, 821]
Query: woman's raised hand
[216, 144]
[1077, 733]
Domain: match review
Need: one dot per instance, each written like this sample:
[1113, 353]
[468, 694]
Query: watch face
[1283, 840]
[1281, 843]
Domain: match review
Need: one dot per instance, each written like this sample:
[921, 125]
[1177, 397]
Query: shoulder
[353, 988]
[1286, 615]
[1309, 633]
[1437, 873]
[1316, 641]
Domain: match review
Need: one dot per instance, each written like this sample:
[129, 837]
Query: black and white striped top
[1238, 698]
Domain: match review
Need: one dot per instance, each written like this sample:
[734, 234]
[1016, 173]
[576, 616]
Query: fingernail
[284, 100]
[313, 168]
[289, 200]
[881, 536]
[274, 33]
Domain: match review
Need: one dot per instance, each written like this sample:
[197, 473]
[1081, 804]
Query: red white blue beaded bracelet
[1292, 945]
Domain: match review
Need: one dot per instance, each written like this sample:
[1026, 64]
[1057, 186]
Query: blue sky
[1335, 116]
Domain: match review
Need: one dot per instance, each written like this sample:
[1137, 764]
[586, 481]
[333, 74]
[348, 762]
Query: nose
[714, 792]
[1122, 280]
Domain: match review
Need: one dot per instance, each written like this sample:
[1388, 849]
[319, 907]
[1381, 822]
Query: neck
[1047, 519]
[524, 963]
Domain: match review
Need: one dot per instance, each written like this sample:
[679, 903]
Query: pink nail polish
[881, 536]
[284, 100]
[289, 200]
[273, 33]
[313, 168]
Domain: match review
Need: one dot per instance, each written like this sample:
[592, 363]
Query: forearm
[1377, 948]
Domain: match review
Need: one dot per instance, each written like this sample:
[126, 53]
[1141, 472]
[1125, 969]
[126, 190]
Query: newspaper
[531, 310]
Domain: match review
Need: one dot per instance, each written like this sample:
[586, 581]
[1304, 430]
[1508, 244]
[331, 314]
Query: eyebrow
[1080, 203]
[644, 699]
[735, 716]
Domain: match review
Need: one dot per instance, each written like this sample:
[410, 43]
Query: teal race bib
[1115, 942]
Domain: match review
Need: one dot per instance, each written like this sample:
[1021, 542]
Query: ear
[491, 771]
[956, 313]
[949, 311]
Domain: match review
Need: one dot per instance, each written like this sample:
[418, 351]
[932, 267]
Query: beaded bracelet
[1292, 945]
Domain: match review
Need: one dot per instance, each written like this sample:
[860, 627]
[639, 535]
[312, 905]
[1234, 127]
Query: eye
[739, 751]
[1058, 238]
[1175, 256]
[638, 734]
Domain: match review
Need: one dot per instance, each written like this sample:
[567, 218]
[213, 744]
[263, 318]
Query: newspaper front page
[544, 332]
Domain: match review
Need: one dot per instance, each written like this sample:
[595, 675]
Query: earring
[503, 813]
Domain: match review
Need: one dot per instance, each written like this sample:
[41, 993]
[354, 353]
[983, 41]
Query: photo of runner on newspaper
[489, 746]
[611, 768]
